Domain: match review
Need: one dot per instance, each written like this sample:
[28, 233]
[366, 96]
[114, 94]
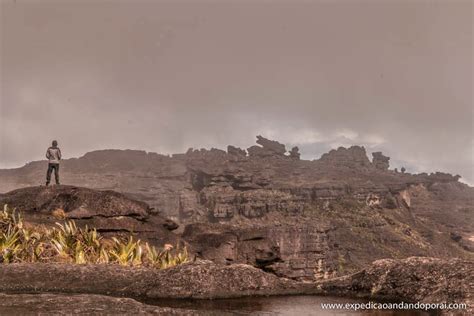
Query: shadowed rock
[231, 150]
[269, 148]
[294, 153]
[352, 157]
[380, 161]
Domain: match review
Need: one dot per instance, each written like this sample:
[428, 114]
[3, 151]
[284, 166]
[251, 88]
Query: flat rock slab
[82, 304]
[199, 280]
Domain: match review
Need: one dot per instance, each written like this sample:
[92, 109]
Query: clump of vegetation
[69, 244]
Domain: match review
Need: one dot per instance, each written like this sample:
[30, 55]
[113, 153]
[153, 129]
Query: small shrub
[68, 243]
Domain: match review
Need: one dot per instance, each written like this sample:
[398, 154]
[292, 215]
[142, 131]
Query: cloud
[395, 77]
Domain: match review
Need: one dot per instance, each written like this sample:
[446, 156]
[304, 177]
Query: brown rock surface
[308, 219]
[380, 161]
[199, 280]
[415, 279]
[107, 211]
[81, 304]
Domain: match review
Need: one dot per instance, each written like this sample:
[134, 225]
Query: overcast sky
[163, 76]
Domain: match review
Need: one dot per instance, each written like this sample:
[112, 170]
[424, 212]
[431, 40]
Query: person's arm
[59, 154]
[48, 155]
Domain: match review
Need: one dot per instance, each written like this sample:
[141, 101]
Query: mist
[164, 76]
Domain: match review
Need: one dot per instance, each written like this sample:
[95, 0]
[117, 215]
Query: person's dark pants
[51, 167]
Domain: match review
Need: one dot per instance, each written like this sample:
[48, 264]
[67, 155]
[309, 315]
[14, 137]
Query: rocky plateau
[265, 210]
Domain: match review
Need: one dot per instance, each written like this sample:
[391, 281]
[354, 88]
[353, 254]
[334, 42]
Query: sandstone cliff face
[297, 218]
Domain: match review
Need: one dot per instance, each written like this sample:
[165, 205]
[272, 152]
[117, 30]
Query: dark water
[279, 305]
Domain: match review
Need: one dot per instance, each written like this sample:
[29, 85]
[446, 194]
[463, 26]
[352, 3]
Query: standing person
[53, 154]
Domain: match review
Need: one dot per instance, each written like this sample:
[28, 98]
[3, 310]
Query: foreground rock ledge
[83, 304]
[415, 279]
[199, 280]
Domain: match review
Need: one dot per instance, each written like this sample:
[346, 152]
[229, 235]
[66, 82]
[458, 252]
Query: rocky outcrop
[352, 157]
[415, 279]
[107, 211]
[82, 304]
[321, 218]
[286, 250]
[271, 145]
[268, 148]
[294, 153]
[236, 151]
[198, 280]
[380, 161]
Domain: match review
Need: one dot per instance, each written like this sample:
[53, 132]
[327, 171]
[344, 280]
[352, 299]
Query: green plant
[68, 243]
[125, 253]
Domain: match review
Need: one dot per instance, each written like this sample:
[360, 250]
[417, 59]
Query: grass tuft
[68, 243]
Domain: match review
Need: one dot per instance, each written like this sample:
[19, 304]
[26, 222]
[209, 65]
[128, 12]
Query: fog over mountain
[163, 76]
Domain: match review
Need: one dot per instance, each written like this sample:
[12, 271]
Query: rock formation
[294, 153]
[411, 280]
[268, 148]
[352, 157]
[231, 150]
[380, 161]
[198, 280]
[83, 304]
[297, 218]
[107, 211]
[415, 279]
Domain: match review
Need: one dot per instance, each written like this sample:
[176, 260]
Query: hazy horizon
[392, 76]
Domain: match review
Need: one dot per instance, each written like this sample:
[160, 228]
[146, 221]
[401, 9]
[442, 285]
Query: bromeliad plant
[68, 243]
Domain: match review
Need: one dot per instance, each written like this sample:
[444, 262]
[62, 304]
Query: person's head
[55, 143]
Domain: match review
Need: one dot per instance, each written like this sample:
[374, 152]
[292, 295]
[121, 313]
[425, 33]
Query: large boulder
[268, 148]
[352, 157]
[107, 211]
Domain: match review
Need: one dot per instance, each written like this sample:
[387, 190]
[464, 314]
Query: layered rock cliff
[296, 218]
